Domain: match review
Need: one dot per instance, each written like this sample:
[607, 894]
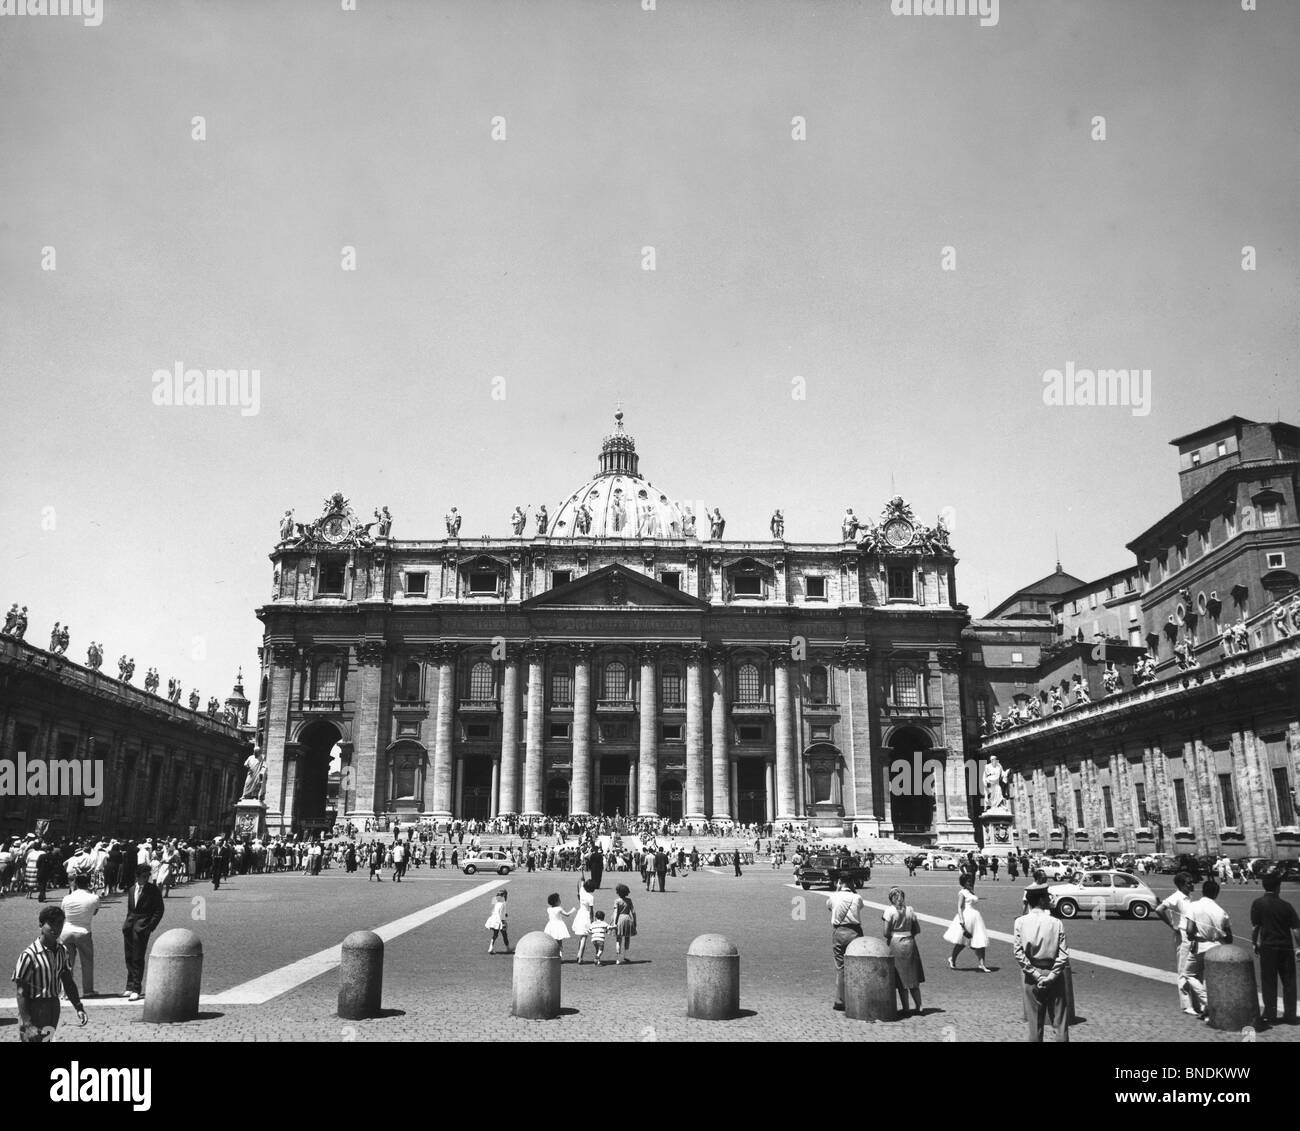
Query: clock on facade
[334, 528]
[898, 533]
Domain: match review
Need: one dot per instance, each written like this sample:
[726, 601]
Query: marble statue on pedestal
[995, 780]
[778, 524]
[453, 523]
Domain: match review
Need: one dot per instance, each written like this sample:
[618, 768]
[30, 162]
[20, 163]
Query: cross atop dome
[618, 451]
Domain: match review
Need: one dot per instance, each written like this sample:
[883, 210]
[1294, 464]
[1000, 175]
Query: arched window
[670, 686]
[480, 681]
[614, 684]
[907, 687]
[409, 688]
[748, 687]
[561, 684]
[818, 685]
[325, 675]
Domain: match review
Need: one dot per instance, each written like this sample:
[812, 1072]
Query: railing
[478, 706]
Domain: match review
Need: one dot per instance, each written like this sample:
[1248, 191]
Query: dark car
[825, 868]
[1290, 870]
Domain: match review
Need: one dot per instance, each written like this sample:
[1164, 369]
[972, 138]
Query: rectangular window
[331, 578]
[417, 584]
[557, 730]
[1078, 808]
[749, 733]
[560, 577]
[1229, 796]
[1180, 802]
[1106, 806]
[982, 709]
[1092, 600]
[672, 579]
[1282, 790]
[1196, 458]
[1270, 515]
[671, 732]
[1017, 657]
[902, 584]
[1276, 561]
[1221, 448]
[482, 582]
[748, 586]
[815, 588]
[1135, 637]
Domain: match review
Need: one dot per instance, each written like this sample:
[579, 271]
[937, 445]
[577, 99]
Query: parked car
[826, 868]
[1163, 863]
[1290, 870]
[937, 861]
[1061, 869]
[489, 860]
[1105, 892]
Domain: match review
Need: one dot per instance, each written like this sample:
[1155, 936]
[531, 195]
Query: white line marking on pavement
[1156, 975]
[272, 985]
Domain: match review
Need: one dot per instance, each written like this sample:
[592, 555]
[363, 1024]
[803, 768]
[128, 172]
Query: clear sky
[522, 258]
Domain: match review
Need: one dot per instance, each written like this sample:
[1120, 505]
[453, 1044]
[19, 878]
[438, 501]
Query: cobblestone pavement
[439, 984]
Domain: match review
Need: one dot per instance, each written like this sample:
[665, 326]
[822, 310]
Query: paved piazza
[261, 934]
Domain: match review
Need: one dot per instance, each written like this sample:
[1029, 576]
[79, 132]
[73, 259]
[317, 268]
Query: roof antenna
[1057, 537]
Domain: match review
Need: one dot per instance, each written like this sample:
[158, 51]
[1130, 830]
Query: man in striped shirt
[41, 969]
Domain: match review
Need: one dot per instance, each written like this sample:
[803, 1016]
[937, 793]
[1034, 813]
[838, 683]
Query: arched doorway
[317, 753]
[751, 791]
[476, 797]
[913, 778]
[557, 797]
[613, 792]
[670, 799]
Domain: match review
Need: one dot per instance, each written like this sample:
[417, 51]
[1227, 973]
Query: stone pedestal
[250, 818]
[998, 831]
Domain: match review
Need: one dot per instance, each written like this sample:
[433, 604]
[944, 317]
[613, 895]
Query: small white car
[1059, 869]
[937, 861]
[489, 860]
[1097, 893]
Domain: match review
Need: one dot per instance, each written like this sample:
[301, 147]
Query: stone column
[580, 792]
[770, 801]
[1254, 818]
[786, 800]
[279, 806]
[534, 782]
[509, 767]
[442, 752]
[695, 804]
[733, 775]
[494, 802]
[719, 733]
[648, 760]
[370, 717]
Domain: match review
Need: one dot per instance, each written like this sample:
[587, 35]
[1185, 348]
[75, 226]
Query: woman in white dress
[967, 928]
[586, 911]
[555, 925]
[901, 929]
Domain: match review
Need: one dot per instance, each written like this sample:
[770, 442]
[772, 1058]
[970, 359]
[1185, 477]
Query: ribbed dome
[618, 503]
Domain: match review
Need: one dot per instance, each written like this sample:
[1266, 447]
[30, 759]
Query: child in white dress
[967, 928]
[555, 925]
[496, 923]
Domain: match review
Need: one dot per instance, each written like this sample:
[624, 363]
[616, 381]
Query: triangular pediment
[615, 586]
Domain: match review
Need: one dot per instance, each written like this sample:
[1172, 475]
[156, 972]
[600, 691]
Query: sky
[499, 170]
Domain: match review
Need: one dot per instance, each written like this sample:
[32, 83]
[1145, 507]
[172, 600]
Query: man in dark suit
[661, 867]
[222, 857]
[596, 865]
[144, 911]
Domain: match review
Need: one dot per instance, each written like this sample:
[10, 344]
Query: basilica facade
[622, 657]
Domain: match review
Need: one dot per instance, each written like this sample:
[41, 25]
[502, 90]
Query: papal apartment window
[480, 681]
[818, 685]
[1282, 791]
[560, 577]
[747, 684]
[671, 732]
[561, 685]
[815, 588]
[672, 579]
[483, 582]
[748, 586]
[907, 687]
[331, 578]
[670, 686]
[558, 730]
[417, 584]
[614, 681]
[902, 584]
[749, 733]
[1180, 801]
[1229, 796]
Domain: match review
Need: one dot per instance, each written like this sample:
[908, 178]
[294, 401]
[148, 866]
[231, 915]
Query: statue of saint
[688, 524]
[777, 524]
[543, 519]
[617, 512]
[20, 625]
[286, 526]
[54, 637]
[383, 524]
[11, 618]
[584, 519]
[717, 524]
[1240, 636]
[995, 780]
[517, 520]
[1036, 707]
[1058, 700]
[1110, 680]
[194, 700]
[1080, 689]
[94, 656]
[255, 776]
[453, 523]
[849, 525]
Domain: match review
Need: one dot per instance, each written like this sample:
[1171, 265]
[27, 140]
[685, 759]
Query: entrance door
[751, 791]
[670, 799]
[613, 793]
[557, 797]
[476, 797]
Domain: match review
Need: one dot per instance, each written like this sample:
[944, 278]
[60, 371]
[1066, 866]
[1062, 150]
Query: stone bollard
[1231, 1001]
[361, 976]
[535, 978]
[869, 981]
[173, 978]
[712, 979]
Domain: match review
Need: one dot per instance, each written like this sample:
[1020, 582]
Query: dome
[619, 503]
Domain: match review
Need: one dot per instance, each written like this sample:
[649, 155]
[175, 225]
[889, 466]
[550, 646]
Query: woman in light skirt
[901, 929]
[967, 928]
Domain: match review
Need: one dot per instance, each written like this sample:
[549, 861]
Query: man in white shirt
[79, 909]
[1040, 950]
[1207, 926]
[1174, 913]
[845, 906]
